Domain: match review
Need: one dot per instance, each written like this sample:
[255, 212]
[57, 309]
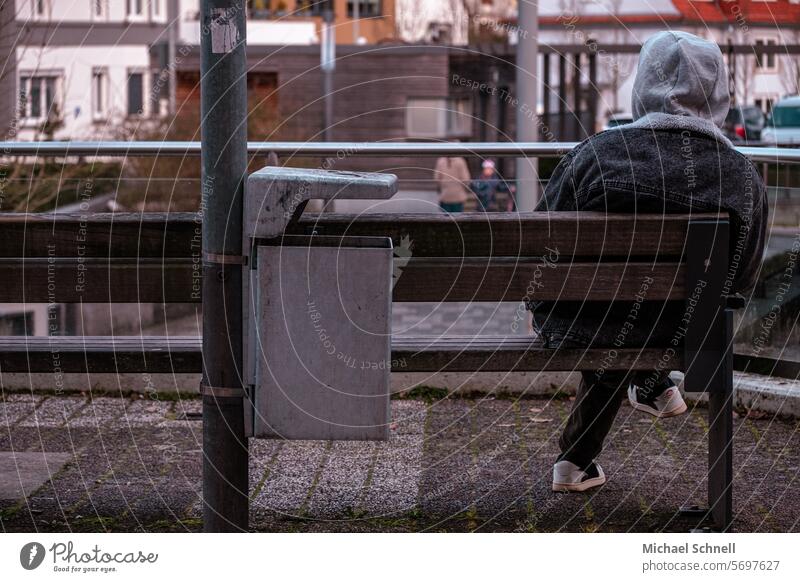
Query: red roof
[742, 12]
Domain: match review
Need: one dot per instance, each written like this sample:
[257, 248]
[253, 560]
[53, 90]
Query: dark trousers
[452, 206]
[596, 405]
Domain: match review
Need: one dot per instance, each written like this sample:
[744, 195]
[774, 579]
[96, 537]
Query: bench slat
[429, 280]
[435, 234]
[433, 280]
[588, 234]
[101, 281]
[182, 354]
[128, 234]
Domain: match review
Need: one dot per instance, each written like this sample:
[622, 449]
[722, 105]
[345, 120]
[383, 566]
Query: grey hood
[681, 83]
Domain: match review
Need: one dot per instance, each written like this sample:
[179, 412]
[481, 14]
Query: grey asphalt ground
[452, 464]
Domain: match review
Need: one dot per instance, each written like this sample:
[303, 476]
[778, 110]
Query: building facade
[82, 68]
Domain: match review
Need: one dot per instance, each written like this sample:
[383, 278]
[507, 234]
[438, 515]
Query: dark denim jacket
[652, 171]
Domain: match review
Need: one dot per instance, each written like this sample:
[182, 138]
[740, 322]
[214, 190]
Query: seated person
[672, 159]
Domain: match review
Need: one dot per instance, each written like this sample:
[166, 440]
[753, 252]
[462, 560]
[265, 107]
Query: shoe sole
[582, 486]
[660, 414]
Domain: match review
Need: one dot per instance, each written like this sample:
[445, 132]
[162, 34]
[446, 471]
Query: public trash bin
[323, 338]
[317, 312]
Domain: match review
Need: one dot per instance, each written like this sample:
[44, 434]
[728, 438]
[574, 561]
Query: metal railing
[342, 149]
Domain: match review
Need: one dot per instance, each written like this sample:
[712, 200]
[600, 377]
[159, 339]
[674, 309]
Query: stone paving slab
[23, 473]
[452, 464]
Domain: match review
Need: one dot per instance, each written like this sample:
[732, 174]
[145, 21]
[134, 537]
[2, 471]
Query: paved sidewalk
[122, 464]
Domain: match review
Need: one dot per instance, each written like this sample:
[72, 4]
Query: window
[258, 9]
[16, 323]
[438, 118]
[785, 116]
[766, 62]
[313, 7]
[39, 97]
[136, 94]
[157, 9]
[40, 8]
[765, 103]
[99, 9]
[366, 8]
[99, 94]
[136, 9]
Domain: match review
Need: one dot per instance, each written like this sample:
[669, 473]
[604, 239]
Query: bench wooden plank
[435, 234]
[435, 280]
[118, 354]
[182, 354]
[511, 354]
[101, 281]
[129, 234]
[482, 234]
[179, 280]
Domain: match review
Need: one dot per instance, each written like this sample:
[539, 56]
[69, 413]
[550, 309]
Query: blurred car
[744, 123]
[783, 123]
[617, 119]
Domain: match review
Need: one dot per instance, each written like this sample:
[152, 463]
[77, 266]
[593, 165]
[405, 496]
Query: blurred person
[673, 158]
[452, 182]
[487, 185]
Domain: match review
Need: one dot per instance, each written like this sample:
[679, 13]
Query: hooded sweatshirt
[672, 159]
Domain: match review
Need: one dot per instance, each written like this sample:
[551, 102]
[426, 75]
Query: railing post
[224, 156]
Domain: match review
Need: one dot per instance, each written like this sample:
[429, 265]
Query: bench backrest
[156, 258]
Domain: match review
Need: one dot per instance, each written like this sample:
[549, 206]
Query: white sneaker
[668, 403]
[567, 476]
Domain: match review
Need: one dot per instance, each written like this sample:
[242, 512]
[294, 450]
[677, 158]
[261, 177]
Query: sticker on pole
[224, 32]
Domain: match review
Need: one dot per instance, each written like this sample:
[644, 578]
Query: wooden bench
[156, 258]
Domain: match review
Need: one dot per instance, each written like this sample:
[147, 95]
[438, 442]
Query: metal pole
[546, 88]
[356, 20]
[223, 87]
[731, 70]
[327, 64]
[562, 94]
[576, 97]
[594, 91]
[173, 13]
[527, 126]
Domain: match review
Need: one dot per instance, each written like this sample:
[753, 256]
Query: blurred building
[94, 68]
[759, 78]
[78, 68]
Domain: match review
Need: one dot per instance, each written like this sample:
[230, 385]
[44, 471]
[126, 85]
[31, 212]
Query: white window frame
[766, 41]
[103, 5]
[105, 94]
[130, 10]
[145, 94]
[58, 97]
[158, 10]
